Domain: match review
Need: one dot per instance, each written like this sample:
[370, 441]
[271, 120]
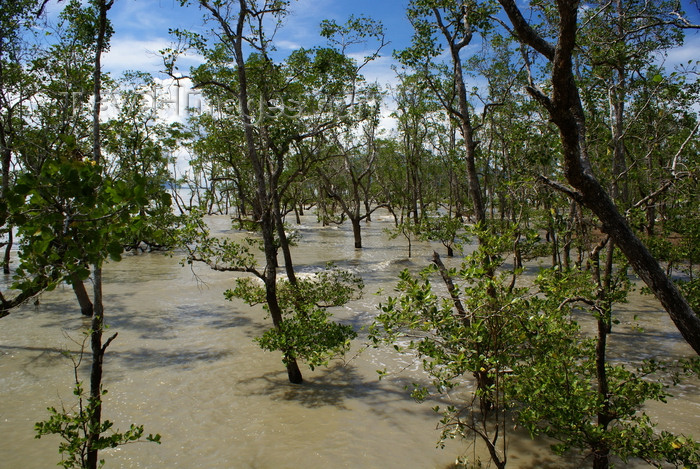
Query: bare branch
[451, 288]
[573, 194]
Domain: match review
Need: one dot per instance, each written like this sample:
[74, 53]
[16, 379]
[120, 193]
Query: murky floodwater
[184, 365]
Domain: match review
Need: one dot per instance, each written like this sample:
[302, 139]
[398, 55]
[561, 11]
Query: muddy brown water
[184, 365]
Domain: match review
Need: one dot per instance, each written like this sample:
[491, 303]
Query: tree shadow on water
[163, 324]
[149, 358]
[32, 359]
[334, 386]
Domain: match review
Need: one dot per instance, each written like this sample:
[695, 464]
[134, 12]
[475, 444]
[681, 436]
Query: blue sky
[141, 30]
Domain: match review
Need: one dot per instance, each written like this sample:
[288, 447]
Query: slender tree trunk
[284, 242]
[468, 134]
[8, 251]
[618, 95]
[447, 278]
[6, 160]
[262, 204]
[212, 198]
[368, 207]
[415, 195]
[98, 349]
[554, 238]
[517, 252]
[96, 369]
[488, 401]
[619, 189]
[5, 145]
[601, 451]
[321, 206]
[569, 235]
[86, 306]
[293, 372]
[650, 211]
[356, 231]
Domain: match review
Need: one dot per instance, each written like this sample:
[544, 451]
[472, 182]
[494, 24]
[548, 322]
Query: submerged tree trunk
[98, 350]
[488, 400]
[95, 415]
[263, 201]
[356, 231]
[601, 451]
[293, 372]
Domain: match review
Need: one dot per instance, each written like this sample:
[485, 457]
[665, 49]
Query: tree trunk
[96, 369]
[8, 252]
[601, 452]
[357, 232]
[650, 211]
[293, 372]
[6, 160]
[212, 198]
[284, 243]
[270, 280]
[262, 204]
[601, 458]
[86, 306]
[466, 128]
[461, 312]
[517, 252]
[98, 349]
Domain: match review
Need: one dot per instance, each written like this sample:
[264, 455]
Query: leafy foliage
[307, 332]
[74, 427]
[445, 229]
[530, 359]
[70, 216]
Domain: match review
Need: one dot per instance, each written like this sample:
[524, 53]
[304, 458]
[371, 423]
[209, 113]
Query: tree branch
[571, 193]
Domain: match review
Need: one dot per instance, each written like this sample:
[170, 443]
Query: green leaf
[115, 249]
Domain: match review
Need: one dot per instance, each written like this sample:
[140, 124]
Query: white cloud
[378, 70]
[135, 54]
[302, 24]
[288, 45]
[688, 52]
[142, 54]
[388, 125]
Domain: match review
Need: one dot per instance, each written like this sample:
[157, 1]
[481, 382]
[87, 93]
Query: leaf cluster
[527, 352]
[74, 427]
[307, 331]
[69, 216]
